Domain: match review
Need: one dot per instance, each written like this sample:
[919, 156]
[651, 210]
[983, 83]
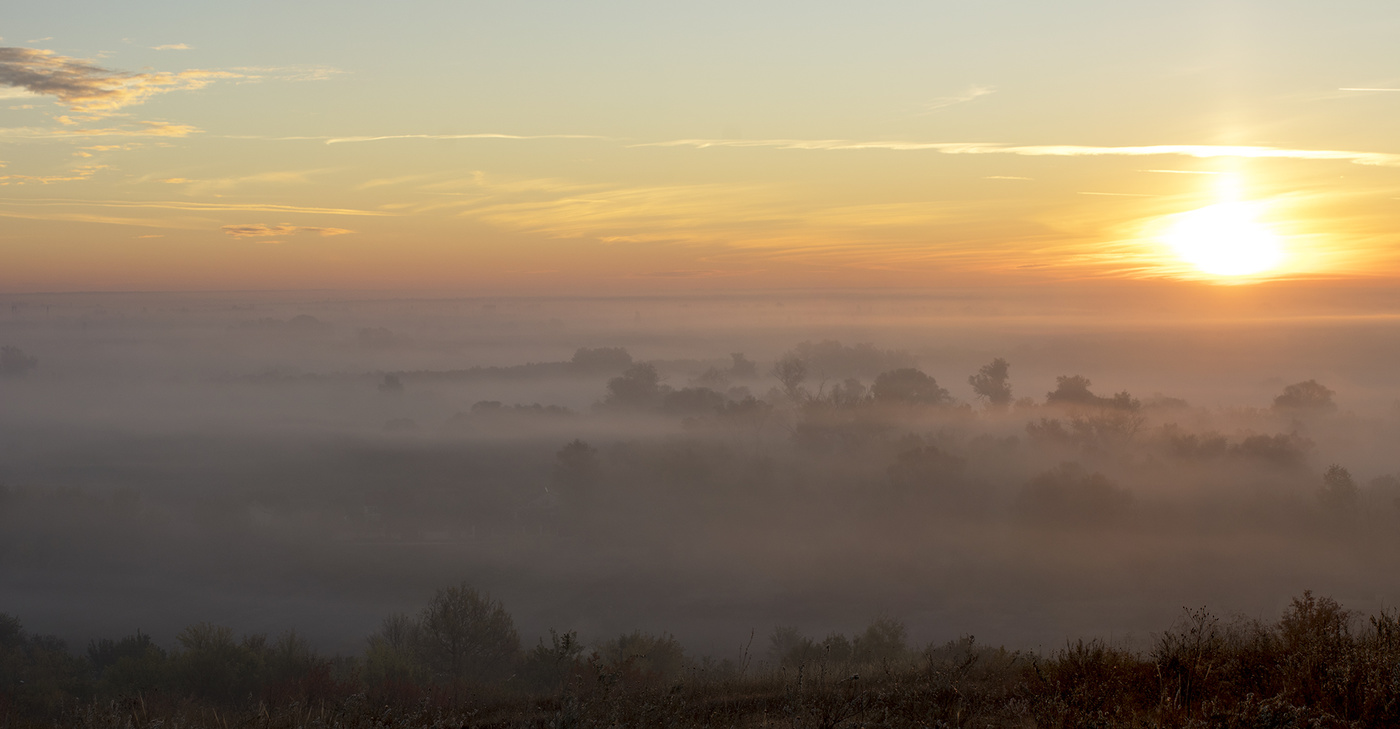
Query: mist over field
[707, 466]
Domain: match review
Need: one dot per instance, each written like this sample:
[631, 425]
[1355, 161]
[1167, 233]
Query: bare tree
[791, 372]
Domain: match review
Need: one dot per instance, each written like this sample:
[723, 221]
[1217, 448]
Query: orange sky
[547, 148]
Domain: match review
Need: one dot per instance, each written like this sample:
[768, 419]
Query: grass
[1319, 665]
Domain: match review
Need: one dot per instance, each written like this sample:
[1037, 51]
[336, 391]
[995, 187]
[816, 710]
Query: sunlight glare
[1224, 240]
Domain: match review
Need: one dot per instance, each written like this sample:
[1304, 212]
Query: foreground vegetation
[459, 663]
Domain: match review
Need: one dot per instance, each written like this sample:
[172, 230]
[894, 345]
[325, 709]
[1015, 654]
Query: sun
[1224, 240]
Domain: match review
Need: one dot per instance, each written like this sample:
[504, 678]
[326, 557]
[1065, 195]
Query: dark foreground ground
[1318, 665]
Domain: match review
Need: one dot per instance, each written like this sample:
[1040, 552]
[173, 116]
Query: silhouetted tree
[376, 338]
[993, 383]
[391, 385]
[908, 385]
[1306, 396]
[601, 359]
[576, 468]
[927, 467]
[791, 372]
[1338, 487]
[466, 635]
[546, 667]
[644, 656]
[848, 394]
[742, 366]
[637, 387]
[692, 401]
[14, 362]
[1069, 493]
[392, 654]
[883, 641]
[1072, 389]
[212, 665]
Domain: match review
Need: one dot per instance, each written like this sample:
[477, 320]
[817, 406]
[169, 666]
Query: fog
[317, 461]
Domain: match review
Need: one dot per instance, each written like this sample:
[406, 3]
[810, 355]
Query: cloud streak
[386, 137]
[191, 206]
[90, 89]
[263, 230]
[1200, 151]
[973, 92]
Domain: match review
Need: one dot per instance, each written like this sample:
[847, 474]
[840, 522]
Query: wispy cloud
[190, 206]
[79, 173]
[344, 140]
[263, 230]
[90, 89]
[172, 47]
[1183, 172]
[972, 92]
[139, 129]
[1005, 177]
[1365, 89]
[1201, 151]
[287, 73]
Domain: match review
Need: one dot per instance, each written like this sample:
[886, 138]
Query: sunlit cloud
[88, 88]
[1200, 151]
[262, 230]
[172, 47]
[343, 140]
[80, 173]
[191, 206]
[287, 73]
[139, 129]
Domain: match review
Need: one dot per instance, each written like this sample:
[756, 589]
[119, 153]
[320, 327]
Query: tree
[993, 383]
[791, 372]
[884, 640]
[602, 359]
[1338, 487]
[466, 635]
[15, 363]
[742, 366]
[576, 468]
[909, 385]
[639, 386]
[1306, 396]
[1072, 389]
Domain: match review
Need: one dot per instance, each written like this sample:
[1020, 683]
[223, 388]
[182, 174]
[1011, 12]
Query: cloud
[262, 230]
[1006, 177]
[79, 173]
[172, 47]
[90, 89]
[343, 140]
[288, 73]
[973, 92]
[1364, 89]
[1201, 151]
[191, 206]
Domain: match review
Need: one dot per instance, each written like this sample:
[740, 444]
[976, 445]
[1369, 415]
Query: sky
[615, 147]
